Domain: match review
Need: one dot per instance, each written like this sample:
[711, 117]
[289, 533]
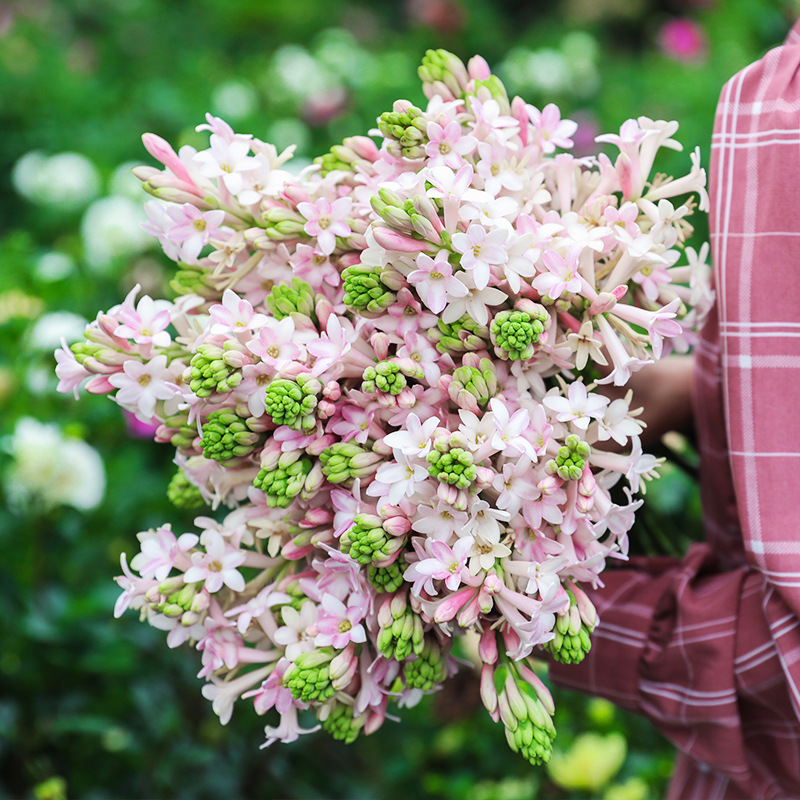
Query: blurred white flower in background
[50, 469]
[110, 228]
[124, 182]
[53, 266]
[67, 181]
[234, 100]
[47, 332]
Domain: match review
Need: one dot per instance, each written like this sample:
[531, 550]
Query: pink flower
[434, 281]
[142, 384]
[579, 407]
[146, 323]
[481, 250]
[562, 275]
[275, 344]
[338, 625]
[551, 130]
[327, 220]
[227, 159]
[217, 565]
[448, 145]
[234, 314]
[445, 563]
[193, 229]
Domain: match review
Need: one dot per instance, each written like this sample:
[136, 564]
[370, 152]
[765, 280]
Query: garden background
[92, 707]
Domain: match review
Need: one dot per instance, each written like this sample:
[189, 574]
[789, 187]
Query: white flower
[110, 228]
[52, 469]
[415, 440]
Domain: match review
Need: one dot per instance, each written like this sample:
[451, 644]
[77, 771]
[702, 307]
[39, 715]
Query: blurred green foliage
[92, 707]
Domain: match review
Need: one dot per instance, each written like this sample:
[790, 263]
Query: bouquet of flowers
[386, 367]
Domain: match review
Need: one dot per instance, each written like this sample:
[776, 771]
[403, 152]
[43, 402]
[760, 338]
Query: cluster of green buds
[460, 336]
[528, 722]
[353, 152]
[291, 475]
[368, 541]
[182, 493]
[309, 677]
[195, 279]
[473, 386]
[428, 669]
[514, 333]
[180, 432]
[293, 402]
[411, 217]
[341, 724]
[365, 291]
[282, 224]
[390, 376]
[386, 579]
[292, 297]
[405, 129]
[343, 462]
[572, 633]
[401, 632]
[178, 600]
[96, 356]
[228, 437]
[215, 370]
[450, 461]
[444, 74]
[571, 459]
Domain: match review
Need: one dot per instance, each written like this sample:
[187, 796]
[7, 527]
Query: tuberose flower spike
[372, 364]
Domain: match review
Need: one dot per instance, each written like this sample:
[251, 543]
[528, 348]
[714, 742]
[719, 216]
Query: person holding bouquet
[708, 646]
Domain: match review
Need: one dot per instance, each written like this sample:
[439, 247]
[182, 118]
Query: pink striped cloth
[708, 647]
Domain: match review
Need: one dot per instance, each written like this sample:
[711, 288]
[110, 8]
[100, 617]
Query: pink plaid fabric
[708, 647]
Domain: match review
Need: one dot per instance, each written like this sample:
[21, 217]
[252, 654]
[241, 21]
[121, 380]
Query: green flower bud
[368, 542]
[341, 724]
[210, 373]
[441, 66]
[406, 129]
[292, 297]
[283, 224]
[386, 579]
[514, 333]
[285, 481]
[192, 279]
[308, 679]
[471, 385]
[293, 403]
[385, 377]
[364, 291]
[401, 629]
[452, 465]
[226, 437]
[343, 462]
[185, 433]
[572, 636]
[428, 669]
[182, 493]
[496, 89]
[460, 336]
[571, 459]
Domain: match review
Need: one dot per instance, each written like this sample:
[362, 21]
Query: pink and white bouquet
[386, 368]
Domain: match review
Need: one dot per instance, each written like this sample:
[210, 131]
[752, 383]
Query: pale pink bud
[295, 552]
[321, 443]
[484, 477]
[542, 692]
[380, 344]
[395, 522]
[99, 385]
[485, 601]
[469, 613]
[382, 448]
[488, 692]
[364, 147]
[450, 606]
[549, 484]
[392, 240]
[323, 309]
[406, 399]
[332, 391]
[375, 718]
[478, 69]
[325, 409]
[295, 193]
[604, 302]
[511, 640]
[316, 516]
[162, 151]
[487, 647]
